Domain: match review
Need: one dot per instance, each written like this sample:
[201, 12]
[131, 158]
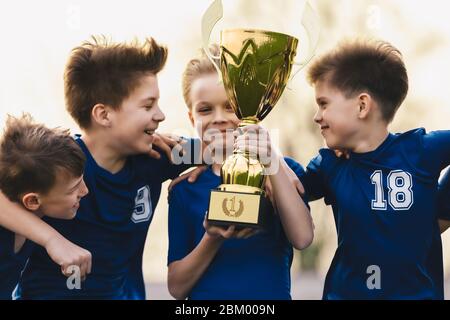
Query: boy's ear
[31, 201]
[100, 114]
[365, 105]
[191, 118]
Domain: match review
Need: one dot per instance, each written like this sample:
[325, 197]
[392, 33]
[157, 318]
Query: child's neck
[104, 155]
[371, 140]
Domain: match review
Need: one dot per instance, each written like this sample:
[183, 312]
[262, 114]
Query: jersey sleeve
[444, 197]
[181, 231]
[437, 149]
[313, 179]
[297, 168]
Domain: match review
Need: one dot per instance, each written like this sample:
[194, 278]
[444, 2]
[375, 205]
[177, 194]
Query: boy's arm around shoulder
[63, 252]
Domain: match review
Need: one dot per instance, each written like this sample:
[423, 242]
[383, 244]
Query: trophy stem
[246, 122]
[242, 124]
[243, 171]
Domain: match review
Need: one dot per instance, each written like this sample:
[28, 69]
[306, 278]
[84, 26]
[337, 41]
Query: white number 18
[400, 195]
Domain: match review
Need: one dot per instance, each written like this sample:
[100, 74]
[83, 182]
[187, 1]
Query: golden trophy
[255, 66]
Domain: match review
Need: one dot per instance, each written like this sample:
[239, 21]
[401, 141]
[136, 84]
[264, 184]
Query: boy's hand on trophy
[245, 233]
[255, 140]
[218, 233]
[222, 233]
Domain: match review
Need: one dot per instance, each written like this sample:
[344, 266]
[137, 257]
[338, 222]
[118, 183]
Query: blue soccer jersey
[11, 263]
[253, 268]
[444, 196]
[385, 211]
[112, 223]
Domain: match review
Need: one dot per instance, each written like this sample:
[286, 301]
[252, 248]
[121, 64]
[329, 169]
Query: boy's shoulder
[421, 133]
[420, 141]
[415, 133]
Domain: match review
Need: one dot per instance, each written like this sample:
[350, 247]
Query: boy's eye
[204, 109]
[148, 107]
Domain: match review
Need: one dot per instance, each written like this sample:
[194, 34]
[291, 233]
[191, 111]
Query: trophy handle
[211, 16]
[310, 21]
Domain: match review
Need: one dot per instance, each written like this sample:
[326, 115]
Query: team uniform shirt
[11, 263]
[112, 223]
[253, 268]
[385, 209]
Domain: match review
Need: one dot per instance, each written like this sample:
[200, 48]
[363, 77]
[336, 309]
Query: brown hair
[196, 68]
[107, 73]
[375, 66]
[31, 156]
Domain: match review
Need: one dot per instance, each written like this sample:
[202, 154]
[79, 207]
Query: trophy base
[242, 206]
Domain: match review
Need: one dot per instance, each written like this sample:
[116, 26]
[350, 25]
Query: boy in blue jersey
[210, 262]
[384, 195]
[112, 93]
[42, 170]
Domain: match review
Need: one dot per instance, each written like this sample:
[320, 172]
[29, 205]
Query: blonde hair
[195, 68]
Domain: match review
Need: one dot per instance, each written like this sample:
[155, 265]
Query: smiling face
[61, 201]
[337, 116]
[134, 123]
[211, 112]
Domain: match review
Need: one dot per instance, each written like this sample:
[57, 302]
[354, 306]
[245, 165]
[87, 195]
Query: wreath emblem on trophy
[232, 212]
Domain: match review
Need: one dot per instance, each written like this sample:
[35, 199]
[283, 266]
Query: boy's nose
[219, 117]
[318, 117]
[84, 189]
[159, 115]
